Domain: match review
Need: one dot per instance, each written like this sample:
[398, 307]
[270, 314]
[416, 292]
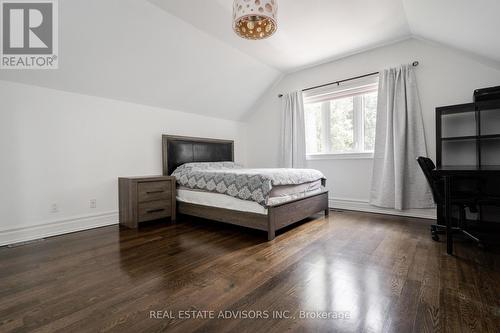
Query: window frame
[356, 89]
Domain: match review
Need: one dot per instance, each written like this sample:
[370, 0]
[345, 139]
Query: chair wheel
[435, 237]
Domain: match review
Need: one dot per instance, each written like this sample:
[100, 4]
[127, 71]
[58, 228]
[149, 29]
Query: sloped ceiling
[183, 55]
[131, 50]
[310, 31]
[317, 31]
[472, 26]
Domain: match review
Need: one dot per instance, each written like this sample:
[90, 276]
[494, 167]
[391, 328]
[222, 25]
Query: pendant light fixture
[255, 19]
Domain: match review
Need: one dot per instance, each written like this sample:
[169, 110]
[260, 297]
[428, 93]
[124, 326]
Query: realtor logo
[29, 34]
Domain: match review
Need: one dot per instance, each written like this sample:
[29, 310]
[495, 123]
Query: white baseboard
[60, 227]
[364, 206]
[54, 228]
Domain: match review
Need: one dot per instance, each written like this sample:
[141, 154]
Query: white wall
[65, 149]
[445, 76]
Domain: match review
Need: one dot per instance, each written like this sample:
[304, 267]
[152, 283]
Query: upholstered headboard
[178, 150]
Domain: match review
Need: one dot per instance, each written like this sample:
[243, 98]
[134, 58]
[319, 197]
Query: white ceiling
[310, 31]
[183, 55]
[316, 31]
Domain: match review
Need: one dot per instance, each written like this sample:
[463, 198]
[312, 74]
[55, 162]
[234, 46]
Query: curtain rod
[414, 64]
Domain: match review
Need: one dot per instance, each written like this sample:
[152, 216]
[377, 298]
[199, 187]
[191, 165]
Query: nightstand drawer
[152, 191]
[147, 211]
[145, 199]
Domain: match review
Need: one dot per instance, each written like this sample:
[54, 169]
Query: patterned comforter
[246, 184]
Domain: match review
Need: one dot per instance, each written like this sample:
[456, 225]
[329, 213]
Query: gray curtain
[293, 138]
[397, 181]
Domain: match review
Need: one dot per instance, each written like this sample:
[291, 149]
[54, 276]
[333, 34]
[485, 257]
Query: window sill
[341, 156]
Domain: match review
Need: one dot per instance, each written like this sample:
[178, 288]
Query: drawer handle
[155, 210]
[157, 191]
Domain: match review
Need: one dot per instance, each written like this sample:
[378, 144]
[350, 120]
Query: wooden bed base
[178, 150]
[277, 217]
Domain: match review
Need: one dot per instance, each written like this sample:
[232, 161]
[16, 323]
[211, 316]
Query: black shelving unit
[468, 135]
[477, 136]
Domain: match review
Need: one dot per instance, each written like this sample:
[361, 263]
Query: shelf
[489, 136]
[472, 137]
[470, 107]
[453, 109]
[461, 138]
[470, 167]
[468, 134]
[490, 105]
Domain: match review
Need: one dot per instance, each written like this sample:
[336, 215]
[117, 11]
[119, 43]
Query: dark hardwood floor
[383, 273]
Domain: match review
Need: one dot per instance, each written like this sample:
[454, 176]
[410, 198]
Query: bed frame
[178, 150]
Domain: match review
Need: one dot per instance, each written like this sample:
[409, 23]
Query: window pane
[342, 124]
[314, 125]
[370, 119]
[342, 120]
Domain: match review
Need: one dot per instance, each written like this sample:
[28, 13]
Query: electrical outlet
[54, 208]
[93, 203]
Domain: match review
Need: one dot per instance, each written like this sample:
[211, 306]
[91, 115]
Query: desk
[448, 173]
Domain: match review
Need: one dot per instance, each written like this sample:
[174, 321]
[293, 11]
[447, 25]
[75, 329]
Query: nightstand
[144, 199]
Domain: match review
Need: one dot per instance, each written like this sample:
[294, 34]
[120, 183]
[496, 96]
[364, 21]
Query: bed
[199, 161]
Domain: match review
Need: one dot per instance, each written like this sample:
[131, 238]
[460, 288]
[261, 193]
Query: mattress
[228, 202]
[287, 190]
[255, 185]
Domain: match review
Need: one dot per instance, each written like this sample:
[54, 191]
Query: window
[341, 120]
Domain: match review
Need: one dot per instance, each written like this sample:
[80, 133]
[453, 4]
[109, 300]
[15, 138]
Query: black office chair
[462, 199]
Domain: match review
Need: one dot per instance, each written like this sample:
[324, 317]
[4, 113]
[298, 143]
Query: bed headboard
[178, 150]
